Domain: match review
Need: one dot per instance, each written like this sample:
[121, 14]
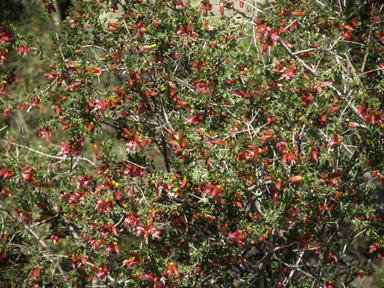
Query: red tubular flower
[219, 142]
[95, 149]
[222, 8]
[335, 140]
[50, 7]
[5, 194]
[95, 71]
[182, 3]
[148, 47]
[275, 196]
[113, 27]
[373, 248]
[116, 248]
[206, 6]
[3, 56]
[314, 153]
[174, 269]
[103, 272]
[90, 127]
[296, 178]
[267, 138]
[134, 259]
[105, 205]
[101, 105]
[265, 48]
[20, 50]
[260, 29]
[237, 236]
[285, 158]
[26, 50]
[298, 13]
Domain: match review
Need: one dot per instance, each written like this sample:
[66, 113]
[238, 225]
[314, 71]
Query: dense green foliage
[161, 144]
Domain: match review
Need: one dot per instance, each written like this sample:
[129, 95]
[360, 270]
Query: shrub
[172, 145]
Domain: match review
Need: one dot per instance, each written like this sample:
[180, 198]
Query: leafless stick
[50, 156]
